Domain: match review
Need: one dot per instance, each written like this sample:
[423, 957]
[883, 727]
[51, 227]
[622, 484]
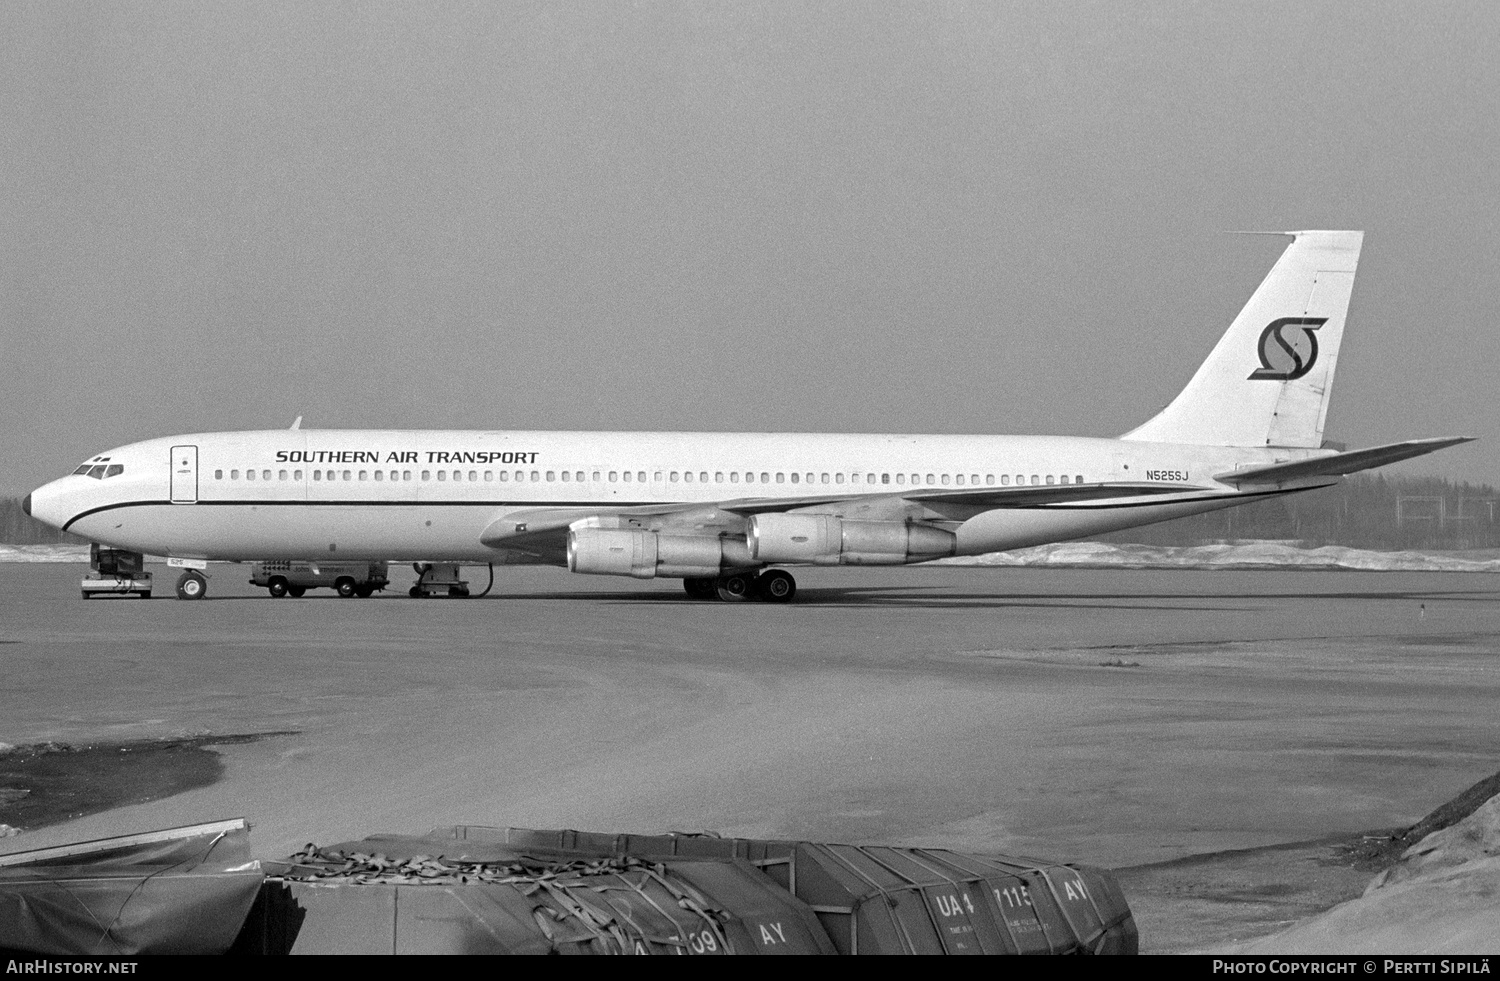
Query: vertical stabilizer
[1268, 379]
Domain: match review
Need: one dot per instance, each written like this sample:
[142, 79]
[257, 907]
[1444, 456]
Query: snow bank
[1443, 897]
[44, 553]
[1240, 555]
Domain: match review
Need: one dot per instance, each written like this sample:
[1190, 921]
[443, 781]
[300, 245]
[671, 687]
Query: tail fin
[1267, 382]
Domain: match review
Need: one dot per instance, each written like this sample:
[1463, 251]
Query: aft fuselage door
[184, 474]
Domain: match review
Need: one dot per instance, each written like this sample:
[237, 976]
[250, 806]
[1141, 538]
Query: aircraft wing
[545, 530]
[995, 497]
[1340, 463]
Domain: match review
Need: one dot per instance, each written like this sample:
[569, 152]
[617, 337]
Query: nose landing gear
[192, 585]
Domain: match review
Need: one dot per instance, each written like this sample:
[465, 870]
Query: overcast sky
[878, 217]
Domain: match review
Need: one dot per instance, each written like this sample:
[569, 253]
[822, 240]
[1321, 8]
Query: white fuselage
[428, 495]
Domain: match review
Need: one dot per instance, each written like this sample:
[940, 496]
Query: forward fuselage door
[184, 475]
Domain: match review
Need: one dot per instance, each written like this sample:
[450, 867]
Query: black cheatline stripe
[634, 504]
[354, 503]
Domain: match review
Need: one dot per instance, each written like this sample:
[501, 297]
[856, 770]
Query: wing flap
[1341, 463]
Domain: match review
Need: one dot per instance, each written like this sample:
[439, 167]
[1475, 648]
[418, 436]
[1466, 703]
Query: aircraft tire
[191, 585]
[415, 592]
[736, 587]
[277, 587]
[776, 586]
[296, 592]
[364, 592]
[345, 586]
[698, 587]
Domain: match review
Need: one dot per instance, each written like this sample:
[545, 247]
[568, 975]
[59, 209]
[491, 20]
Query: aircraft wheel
[345, 586]
[415, 592]
[364, 592]
[192, 585]
[700, 588]
[776, 586]
[735, 588]
[277, 587]
[458, 592]
[296, 592]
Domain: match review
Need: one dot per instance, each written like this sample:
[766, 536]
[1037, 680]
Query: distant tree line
[19, 528]
[1363, 512]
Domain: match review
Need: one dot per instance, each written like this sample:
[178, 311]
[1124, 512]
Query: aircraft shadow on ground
[936, 597]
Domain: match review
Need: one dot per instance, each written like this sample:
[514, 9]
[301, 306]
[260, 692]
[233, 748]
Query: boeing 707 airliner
[727, 512]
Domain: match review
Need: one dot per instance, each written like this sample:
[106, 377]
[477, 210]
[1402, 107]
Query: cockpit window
[84, 468]
[114, 469]
[97, 471]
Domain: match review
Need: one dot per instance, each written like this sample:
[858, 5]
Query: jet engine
[647, 554]
[823, 539]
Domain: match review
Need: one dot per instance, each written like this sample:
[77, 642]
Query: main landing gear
[772, 586]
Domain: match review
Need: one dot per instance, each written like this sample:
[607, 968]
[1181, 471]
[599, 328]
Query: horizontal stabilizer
[1341, 463]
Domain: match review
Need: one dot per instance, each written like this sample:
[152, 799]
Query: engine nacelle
[822, 539]
[647, 554]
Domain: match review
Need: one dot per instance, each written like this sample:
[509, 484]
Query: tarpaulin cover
[397, 894]
[182, 890]
[877, 899]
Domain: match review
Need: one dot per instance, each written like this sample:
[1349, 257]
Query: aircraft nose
[26, 505]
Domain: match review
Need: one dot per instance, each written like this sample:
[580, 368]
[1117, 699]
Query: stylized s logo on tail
[1287, 360]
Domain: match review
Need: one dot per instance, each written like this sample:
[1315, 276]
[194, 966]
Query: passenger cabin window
[218, 475]
[297, 475]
